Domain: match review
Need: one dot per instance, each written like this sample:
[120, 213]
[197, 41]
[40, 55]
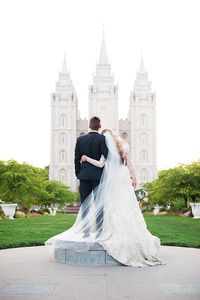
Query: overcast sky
[35, 34]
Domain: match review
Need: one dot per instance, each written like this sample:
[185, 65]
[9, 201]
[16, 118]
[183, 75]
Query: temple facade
[138, 129]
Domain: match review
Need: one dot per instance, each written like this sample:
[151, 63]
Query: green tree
[193, 184]
[56, 193]
[180, 183]
[20, 182]
[27, 185]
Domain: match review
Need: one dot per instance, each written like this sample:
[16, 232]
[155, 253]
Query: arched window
[63, 121]
[144, 175]
[63, 139]
[144, 156]
[144, 139]
[143, 121]
[124, 135]
[62, 175]
[62, 155]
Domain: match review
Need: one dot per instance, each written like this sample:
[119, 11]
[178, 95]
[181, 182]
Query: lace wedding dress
[124, 234]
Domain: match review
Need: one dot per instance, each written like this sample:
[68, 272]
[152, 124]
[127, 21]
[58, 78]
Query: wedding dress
[124, 234]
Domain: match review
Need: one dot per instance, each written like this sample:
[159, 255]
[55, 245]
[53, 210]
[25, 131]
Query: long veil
[89, 224]
[112, 217]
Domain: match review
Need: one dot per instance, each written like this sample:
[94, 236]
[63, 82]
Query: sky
[34, 35]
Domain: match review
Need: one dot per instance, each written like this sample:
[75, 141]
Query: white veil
[111, 216]
[96, 206]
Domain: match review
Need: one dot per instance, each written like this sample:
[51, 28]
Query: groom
[92, 145]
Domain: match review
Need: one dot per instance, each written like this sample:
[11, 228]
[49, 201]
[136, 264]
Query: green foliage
[146, 210]
[177, 205]
[27, 185]
[46, 209]
[186, 209]
[20, 182]
[162, 209]
[177, 185]
[55, 193]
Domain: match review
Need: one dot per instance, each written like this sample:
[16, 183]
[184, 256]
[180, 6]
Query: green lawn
[32, 231]
[172, 230]
[175, 230]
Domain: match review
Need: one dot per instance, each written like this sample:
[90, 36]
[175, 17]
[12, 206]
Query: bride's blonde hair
[118, 142]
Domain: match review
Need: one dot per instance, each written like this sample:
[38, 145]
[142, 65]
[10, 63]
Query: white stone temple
[139, 129]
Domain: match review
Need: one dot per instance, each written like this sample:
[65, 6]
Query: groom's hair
[95, 123]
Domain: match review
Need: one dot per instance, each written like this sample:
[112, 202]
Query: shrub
[145, 210]
[24, 208]
[45, 210]
[185, 209]
[177, 206]
[39, 211]
[162, 209]
[60, 212]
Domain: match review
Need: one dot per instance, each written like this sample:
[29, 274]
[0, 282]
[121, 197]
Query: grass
[34, 231]
[175, 230]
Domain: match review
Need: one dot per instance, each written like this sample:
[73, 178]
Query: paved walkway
[29, 273]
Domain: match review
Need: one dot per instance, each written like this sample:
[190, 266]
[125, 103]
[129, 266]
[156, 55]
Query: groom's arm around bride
[93, 145]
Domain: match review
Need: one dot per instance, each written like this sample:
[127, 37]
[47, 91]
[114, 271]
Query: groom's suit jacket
[93, 145]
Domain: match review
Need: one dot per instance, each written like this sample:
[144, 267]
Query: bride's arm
[98, 163]
[130, 166]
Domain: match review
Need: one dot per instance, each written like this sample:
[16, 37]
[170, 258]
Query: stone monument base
[84, 253]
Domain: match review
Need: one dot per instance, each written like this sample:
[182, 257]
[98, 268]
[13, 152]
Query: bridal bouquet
[141, 194]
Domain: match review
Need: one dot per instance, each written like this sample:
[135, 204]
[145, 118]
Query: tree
[56, 192]
[14, 181]
[20, 182]
[27, 185]
[194, 170]
[182, 182]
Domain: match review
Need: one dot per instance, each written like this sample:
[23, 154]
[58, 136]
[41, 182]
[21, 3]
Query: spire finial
[64, 68]
[103, 31]
[103, 60]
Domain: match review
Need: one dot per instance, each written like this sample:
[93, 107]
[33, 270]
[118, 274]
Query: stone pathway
[30, 273]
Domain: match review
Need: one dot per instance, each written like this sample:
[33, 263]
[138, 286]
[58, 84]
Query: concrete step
[84, 253]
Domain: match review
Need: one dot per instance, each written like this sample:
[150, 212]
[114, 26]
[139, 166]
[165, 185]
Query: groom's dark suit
[92, 145]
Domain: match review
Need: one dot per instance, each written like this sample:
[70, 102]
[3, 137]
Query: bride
[122, 230]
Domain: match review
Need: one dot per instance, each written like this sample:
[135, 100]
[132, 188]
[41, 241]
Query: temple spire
[103, 59]
[142, 69]
[64, 68]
